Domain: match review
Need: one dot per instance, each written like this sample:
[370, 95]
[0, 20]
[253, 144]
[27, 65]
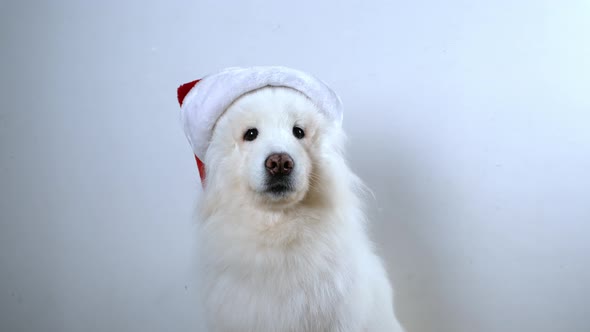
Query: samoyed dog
[282, 239]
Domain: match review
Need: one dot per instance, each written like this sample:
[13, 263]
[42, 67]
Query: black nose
[279, 164]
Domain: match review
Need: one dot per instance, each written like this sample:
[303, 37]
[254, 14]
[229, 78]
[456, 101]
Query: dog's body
[282, 239]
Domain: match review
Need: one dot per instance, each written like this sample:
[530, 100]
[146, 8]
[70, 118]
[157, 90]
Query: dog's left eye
[298, 132]
[250, 134]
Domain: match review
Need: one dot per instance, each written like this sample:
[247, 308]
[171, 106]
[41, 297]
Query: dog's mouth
[279, 186]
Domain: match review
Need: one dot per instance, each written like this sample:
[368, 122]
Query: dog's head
[269, 146]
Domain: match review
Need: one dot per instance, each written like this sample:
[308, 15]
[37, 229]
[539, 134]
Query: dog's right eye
[250, 134]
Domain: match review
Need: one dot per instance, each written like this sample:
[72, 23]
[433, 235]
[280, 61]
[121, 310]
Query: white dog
[282, 237]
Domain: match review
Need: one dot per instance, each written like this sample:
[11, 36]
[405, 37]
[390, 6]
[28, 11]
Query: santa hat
[203, 101]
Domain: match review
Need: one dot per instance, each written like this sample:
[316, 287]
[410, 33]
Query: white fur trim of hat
[203, 101]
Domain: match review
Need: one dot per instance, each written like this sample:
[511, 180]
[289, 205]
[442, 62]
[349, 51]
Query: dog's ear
[184, 89]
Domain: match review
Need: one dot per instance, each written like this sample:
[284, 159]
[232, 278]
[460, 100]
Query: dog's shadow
[403, 222]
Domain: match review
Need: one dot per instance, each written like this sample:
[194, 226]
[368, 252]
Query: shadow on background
[403, 219]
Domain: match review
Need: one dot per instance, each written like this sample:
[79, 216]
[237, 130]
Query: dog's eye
[298, 132]
[250, 134]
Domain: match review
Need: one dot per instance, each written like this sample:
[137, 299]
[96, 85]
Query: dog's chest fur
[307, 283]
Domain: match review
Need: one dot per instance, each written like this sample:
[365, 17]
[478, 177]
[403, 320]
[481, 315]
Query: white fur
[301, 262]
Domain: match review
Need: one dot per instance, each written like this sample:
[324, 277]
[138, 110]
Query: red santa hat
[203, 101]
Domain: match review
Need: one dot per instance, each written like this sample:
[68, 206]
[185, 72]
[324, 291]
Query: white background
[470, 121]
